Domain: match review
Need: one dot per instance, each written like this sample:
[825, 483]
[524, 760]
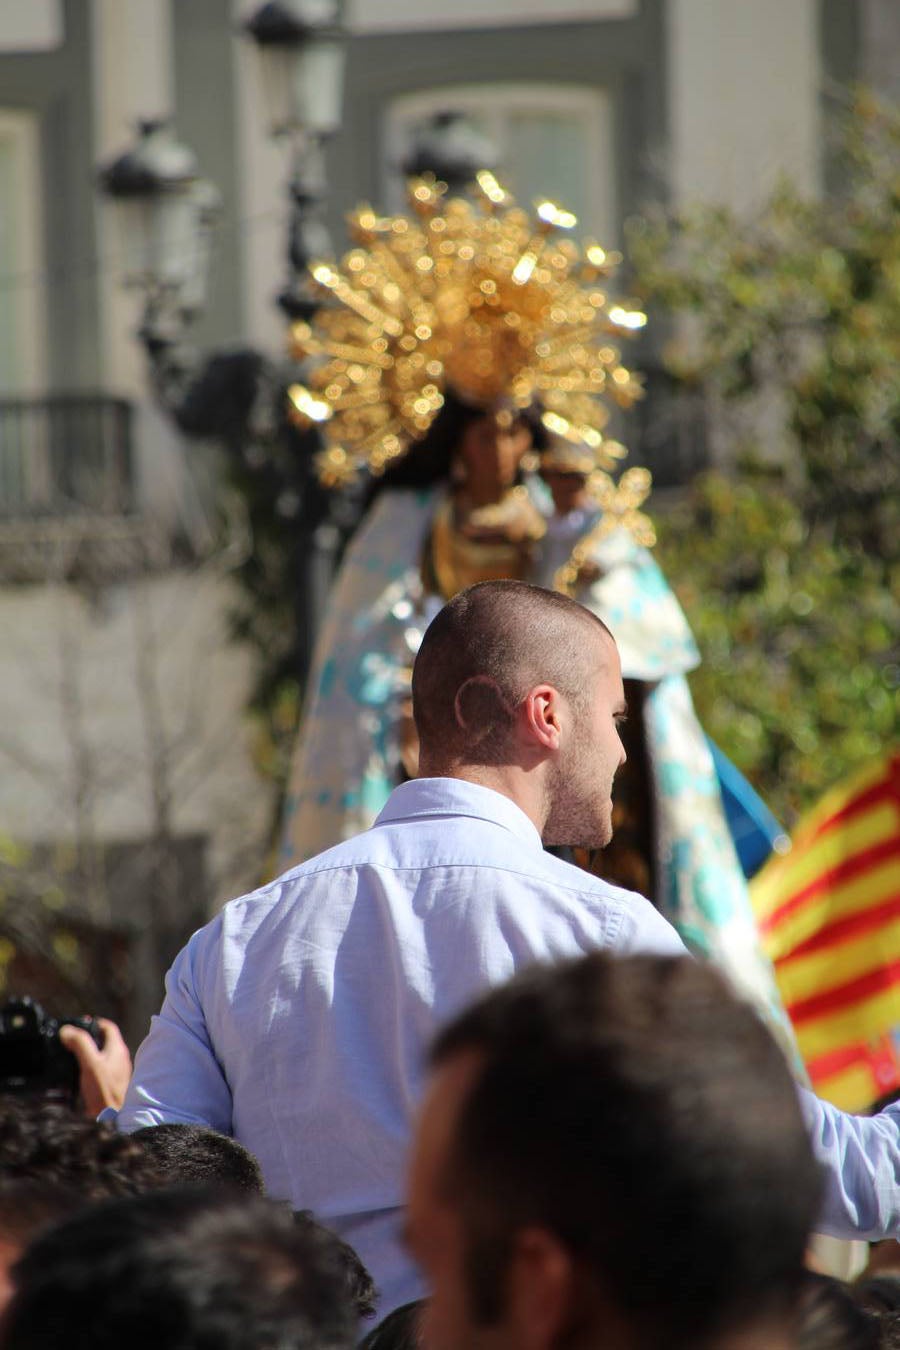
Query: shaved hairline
[498, 640]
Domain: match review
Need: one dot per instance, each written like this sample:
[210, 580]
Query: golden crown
[477, 296]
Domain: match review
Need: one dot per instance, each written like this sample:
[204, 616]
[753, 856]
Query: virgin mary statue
[468, 363]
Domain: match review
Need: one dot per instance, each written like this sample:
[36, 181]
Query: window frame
[496, 104]
[22, 276]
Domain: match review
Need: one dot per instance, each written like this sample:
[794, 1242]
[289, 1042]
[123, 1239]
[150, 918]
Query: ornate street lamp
[165, 218]
[237, 395]
[301, 54]
[301, 46]
[301, 50]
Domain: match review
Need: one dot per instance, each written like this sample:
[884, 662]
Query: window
[554, 141]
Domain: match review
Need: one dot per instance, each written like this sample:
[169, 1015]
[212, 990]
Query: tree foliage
[789, 563]
[800, 681]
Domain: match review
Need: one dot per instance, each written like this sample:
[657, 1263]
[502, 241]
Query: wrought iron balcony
[68, 508]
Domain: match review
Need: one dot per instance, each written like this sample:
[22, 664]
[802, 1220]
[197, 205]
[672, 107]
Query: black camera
[33, 1061]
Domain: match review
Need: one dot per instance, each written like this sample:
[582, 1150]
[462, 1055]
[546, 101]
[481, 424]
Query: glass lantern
[301, 63]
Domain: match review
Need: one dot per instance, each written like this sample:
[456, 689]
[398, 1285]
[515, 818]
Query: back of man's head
[639, 1113]
[480, 656]
[182, 1269]
[358, 1283]
[48, 1143]
[831, 1317]
[193, 1155]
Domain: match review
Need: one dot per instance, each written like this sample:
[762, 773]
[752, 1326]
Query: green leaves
[800, 681]
[790, 324]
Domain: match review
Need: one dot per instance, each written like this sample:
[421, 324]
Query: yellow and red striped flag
[829, 916]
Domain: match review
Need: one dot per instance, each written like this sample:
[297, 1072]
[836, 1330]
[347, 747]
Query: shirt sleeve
[644, 930]
[860, 1157]
[177, 1077]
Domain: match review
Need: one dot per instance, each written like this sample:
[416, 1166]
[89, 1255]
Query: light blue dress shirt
[298, 1019]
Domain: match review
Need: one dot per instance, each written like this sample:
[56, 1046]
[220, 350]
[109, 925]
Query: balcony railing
[66, 455]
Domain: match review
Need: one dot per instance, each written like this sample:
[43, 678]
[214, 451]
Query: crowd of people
[610, 1152]
[439, 1087]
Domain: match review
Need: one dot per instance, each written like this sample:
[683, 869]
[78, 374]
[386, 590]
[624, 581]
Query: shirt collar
[455, 797]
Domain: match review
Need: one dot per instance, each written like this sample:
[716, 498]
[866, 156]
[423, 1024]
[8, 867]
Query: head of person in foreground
[520, 689]
[611, 1153]
[184, 1269]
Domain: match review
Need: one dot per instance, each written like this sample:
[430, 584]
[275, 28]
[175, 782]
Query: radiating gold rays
[480, 297]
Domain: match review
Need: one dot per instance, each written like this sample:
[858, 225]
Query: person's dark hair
[639, 1111]
[830, 1317]
[429, 459]
[398, 1331]
[47, 1142]
[889, 1326]
[360, 1286]
[480, 656]
[195, 1155]
[182, 1269]
[878, 1293]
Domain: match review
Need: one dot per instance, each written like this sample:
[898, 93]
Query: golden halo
[480, 297]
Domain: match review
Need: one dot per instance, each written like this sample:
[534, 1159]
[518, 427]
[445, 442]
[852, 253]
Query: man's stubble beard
[578, 815]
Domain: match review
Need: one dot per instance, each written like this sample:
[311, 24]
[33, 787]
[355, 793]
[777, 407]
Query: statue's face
[493, 446]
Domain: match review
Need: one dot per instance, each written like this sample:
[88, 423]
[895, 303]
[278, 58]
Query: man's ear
[540, 713]
[540, 1289]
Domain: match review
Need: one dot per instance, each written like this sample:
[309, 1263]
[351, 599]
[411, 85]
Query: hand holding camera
[62, 1059]
[104, 1068]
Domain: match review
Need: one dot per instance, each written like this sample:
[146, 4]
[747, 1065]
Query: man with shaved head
[299, 1018]
[520, 689]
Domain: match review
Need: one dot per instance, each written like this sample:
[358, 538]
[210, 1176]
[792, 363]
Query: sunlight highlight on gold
[475, 296]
